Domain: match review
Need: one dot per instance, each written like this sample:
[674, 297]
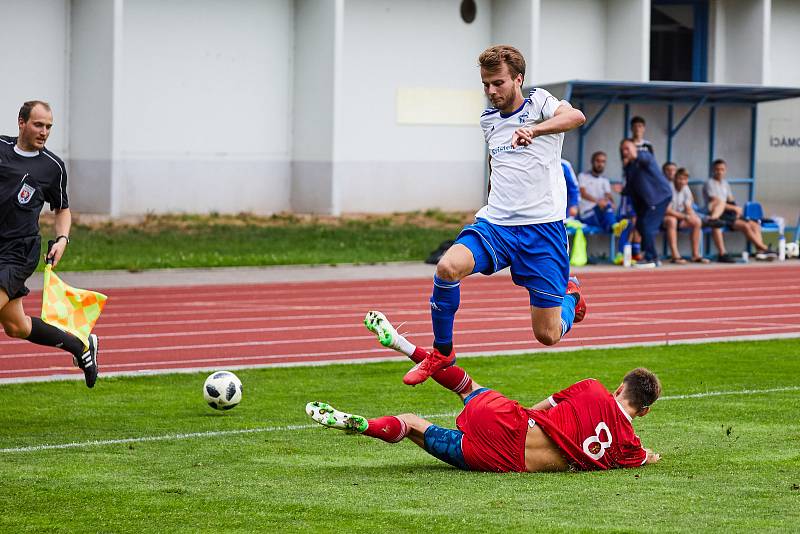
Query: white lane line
[756, 327]
[381, 288]
[672, 306]
[376, 355]
[617, 316]
[212, 306]
[286, 428]
[364, 338]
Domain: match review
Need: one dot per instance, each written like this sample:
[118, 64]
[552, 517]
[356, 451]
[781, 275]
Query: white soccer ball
[792, 250]
[222, 390]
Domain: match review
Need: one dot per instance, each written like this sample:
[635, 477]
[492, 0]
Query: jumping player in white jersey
[522, 226]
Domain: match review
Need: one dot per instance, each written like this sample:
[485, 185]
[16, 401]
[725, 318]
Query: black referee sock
[45, 334]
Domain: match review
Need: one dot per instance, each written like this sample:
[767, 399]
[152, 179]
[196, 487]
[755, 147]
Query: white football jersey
[527, 184]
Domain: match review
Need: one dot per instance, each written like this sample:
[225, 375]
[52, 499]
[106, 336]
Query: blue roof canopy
[673, 92]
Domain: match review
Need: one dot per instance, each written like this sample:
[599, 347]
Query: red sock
[453, 378]
[419, 355]
[387, 428]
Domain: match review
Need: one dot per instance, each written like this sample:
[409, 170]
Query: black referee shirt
[26, 183]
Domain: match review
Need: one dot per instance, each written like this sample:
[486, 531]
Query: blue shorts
[625, 210]
[445, 443]
[538, 255]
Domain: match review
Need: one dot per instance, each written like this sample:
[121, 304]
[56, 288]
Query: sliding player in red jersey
[582, 427]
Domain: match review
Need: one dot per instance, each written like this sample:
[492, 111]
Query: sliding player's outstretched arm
[542, 405]
[652, 457]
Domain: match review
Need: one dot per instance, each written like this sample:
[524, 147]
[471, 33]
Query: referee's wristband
[64, 236]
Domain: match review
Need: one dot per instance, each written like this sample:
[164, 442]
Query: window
[678, 40]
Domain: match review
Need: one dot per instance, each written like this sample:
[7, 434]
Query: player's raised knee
[448, 269]
[13, 329]
[547, 338]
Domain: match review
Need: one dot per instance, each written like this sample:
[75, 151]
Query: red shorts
[495, 428]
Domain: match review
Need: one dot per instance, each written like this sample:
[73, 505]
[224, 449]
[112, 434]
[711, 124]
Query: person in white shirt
[723, 212]
[680, 214]
[522, 226]
[597, 204]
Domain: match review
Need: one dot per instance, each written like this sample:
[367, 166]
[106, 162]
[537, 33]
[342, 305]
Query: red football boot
[435, 361]
[574, 287]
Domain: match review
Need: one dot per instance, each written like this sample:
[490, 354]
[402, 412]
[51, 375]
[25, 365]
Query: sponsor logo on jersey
[25, 194]
[504, 148]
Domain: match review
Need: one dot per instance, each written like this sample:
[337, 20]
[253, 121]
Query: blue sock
[567, 314]
[444, 305]
[625, 236]
[636, 248]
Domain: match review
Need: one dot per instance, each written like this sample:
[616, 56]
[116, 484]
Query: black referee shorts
[18, 260]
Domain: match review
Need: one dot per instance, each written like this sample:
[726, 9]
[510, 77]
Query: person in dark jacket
[650, 194]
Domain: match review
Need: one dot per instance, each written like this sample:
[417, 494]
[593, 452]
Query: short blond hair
[492, 59]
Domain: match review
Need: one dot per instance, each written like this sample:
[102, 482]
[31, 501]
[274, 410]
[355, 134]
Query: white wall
[516, 22]
[35, 39]
[778, 148]
[627, 47]
[94, 39]
[205, 105]
[317, 52]
[779, 122]
[740, 37]
[785, 30]
[384, 166]
[572, 41]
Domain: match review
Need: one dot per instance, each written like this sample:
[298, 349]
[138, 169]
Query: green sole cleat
[378, 324]
[326, 415]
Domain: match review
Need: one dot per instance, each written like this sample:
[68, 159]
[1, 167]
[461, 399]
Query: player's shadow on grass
[379, 471]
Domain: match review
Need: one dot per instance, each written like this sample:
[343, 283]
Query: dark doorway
[678, 40]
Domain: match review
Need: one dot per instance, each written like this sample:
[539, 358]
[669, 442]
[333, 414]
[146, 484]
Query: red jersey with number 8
[591, 427]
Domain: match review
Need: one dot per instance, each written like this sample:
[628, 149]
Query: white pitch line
[738, 392]
[211, 434]
[168, 437]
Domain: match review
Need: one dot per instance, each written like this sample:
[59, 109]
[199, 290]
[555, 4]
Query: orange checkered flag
[70, 309]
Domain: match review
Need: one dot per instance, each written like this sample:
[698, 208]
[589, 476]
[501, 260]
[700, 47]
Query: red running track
[212, 327]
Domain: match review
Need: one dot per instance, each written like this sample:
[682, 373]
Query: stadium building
[335, 106]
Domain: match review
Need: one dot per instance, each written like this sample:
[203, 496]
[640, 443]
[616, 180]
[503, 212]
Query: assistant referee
[31, 175]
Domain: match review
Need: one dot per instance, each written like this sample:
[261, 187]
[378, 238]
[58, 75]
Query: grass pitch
[731, 455]
[170, 241]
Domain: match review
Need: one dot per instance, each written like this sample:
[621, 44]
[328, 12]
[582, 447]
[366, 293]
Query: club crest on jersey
[25, 194]
[523, 117]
